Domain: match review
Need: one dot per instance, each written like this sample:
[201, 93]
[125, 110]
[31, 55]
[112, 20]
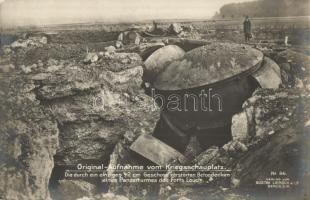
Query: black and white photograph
[154, 100]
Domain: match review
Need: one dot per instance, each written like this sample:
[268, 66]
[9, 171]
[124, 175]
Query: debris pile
[62, 105]
[175, 28]
[260, 131]
[31, 41]
[90, 106]
[295, 68]
[183, 31]
[279, 121]
[28, 139]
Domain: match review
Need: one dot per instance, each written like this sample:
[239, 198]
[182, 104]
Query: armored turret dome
[208, 64]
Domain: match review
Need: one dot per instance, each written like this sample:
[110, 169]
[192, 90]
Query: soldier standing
[247, 28]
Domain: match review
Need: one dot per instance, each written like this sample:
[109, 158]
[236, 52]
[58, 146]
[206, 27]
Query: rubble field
[78, 97]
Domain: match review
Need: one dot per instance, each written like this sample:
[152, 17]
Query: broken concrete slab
[156, 151]
[75, 189]
[269, 75]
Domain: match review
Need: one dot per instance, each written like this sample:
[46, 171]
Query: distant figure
[154, 26]
[247, 28]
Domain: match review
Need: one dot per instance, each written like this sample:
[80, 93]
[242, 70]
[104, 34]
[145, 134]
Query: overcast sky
[25, 12]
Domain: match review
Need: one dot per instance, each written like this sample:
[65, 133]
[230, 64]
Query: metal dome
[207, 65]
[155, 63]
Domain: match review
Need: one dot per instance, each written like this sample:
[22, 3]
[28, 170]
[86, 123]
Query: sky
[41, 12]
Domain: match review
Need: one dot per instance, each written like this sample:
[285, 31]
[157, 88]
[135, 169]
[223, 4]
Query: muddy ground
[69, 98]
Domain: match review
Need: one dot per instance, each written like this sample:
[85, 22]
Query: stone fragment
[110, 49]
[19, 44]
[54, 68]
[299, 84]
[91, 58]
[118, 44]
[117, 62]
[235, 147]
[32, 41]
[206, 156]
[235, 182]
[43, 40]
[240, 127]
[26, 69]
[175, 28]
[6, 49]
